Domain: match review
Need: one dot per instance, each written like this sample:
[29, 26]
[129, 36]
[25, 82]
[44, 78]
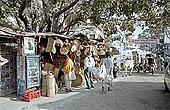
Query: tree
[41, 15]
[129, 13]
[60, 16]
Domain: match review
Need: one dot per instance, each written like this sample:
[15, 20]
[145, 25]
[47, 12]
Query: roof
[80, 36]
[29, 34]
[9, 33]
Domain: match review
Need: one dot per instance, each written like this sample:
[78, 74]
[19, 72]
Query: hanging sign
[147, 42]
[29, 46]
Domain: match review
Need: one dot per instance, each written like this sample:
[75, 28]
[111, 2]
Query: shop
[22, 69]
[8, 71]
[32, 55]
[54, 47]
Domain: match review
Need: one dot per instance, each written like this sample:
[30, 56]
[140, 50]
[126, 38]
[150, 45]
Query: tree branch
[21, 10]
[65, 9]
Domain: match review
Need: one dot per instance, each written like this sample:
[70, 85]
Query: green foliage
[105, 13]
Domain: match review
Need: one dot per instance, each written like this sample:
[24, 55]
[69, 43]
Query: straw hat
[78, 53]
[59, 42]
[101, 52]
[81, 47]
[86, 50]
[95, 52]
[74, 48]
[64, 50]
[77, 42]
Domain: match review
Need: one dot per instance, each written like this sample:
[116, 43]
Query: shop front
[20, 66]
[8, 70]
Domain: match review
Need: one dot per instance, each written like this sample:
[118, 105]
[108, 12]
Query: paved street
[137, 92]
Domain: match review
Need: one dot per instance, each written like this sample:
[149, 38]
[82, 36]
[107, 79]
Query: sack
[101, 72]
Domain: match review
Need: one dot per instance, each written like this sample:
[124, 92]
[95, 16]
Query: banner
[146, 42]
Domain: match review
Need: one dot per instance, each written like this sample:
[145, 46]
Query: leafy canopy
[60, 16]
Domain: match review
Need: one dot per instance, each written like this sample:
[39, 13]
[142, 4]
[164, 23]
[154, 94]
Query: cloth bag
[108, 78]
[100, 73]
[72, 75]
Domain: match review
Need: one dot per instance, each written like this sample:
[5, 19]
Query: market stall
[53, 49]
[22, 71]
[8, 70]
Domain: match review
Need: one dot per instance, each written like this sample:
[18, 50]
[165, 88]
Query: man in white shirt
[89, 63]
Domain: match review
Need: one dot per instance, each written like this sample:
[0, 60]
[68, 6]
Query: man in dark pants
[89, 63]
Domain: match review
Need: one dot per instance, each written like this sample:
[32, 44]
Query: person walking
[108, 63]
[69, 73]
[115, 70]
[159, 62]
[89, 63]
[167, 61]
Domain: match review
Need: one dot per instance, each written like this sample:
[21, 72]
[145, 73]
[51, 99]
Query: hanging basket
[74, 48]
[59, 43]
[64, 51]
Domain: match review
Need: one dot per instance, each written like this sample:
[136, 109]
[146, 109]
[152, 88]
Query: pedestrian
[115, 70]
[159, 63]
[89, 64]
[108, 63]
[69, 73]
[140, 66]
[167, 60]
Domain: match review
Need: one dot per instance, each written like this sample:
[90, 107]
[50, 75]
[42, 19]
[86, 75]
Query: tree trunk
[65, 9]
[21, 10]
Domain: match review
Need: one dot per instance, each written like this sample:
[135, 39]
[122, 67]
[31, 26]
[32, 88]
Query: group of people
[107, 70]
[89, 74]
[149, 62]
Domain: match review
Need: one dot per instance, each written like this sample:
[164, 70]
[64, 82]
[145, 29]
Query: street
[137, 92]
[52, 50]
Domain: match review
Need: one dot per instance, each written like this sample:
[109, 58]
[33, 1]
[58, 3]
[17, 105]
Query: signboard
[147, 42]
[33, 71]
[29, 46]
